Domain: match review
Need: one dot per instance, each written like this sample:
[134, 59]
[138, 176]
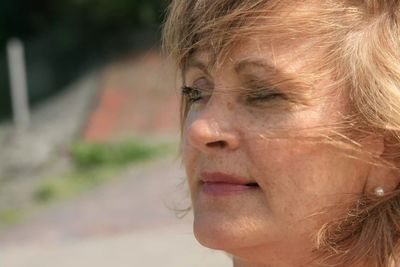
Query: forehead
[221, 26]
[257, 54]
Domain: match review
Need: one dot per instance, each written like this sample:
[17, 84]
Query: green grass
[95, 164]
[11, 216]
[74, 182]
[86, 155]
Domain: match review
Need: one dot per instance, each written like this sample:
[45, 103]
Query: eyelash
[265, 95]
[192, 94]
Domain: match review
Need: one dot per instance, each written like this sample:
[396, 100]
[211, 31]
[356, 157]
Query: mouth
[218, 183]
[252, 184]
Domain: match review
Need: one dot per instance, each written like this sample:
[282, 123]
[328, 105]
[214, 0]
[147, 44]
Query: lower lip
[225, 188]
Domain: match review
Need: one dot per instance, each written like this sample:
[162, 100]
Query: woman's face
[257, 186]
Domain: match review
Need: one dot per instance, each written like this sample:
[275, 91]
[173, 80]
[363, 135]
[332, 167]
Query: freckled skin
[273, 225]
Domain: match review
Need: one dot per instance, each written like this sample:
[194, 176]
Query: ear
[380, 175]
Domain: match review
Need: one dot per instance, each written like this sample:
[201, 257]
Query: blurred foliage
[90, 155]
[74, 182]
[121, 11]
[86, 173]
[65, 38]
[10, 217]
[26, 19]
[97, 163]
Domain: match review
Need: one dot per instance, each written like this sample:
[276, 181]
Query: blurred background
[89, 134]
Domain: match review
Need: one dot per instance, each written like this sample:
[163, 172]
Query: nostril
[217, 144]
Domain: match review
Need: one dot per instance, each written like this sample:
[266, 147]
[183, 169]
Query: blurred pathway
[129, 221]
[125, 223]
[137, 96]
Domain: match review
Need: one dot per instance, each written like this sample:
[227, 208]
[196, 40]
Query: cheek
[190, 158]
[299, 179]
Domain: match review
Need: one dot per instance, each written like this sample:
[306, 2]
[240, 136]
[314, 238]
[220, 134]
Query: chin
[213, 237]
[215, 232]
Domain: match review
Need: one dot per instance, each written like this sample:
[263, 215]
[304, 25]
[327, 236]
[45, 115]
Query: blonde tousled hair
[360, 40]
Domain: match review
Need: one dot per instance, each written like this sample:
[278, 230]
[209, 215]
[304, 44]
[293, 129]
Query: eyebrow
[240, 66]
[271, 71]
[194, 63]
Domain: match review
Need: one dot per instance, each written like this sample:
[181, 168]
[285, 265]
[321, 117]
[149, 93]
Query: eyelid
[264, 94]
[266, 98]
[260, 92]
[203, 83]
[259, 85]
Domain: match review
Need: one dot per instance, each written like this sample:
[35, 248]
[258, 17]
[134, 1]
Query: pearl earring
[379, 192]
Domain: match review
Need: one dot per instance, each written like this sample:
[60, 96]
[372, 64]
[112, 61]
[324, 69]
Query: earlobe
[379, 191]
[382, 180]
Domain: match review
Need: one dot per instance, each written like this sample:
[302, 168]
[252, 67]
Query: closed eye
[264, 95]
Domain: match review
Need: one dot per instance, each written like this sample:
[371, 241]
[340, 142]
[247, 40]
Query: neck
[238, 262]
[273, 257]
[242, 263]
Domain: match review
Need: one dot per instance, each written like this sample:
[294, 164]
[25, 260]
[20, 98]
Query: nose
[208, 134]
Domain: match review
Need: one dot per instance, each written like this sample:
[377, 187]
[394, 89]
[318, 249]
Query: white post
[19, 88]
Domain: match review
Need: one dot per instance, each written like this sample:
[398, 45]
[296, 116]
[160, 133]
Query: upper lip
[220, 177]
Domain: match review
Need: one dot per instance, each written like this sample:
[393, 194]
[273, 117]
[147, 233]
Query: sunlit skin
[273, 224]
